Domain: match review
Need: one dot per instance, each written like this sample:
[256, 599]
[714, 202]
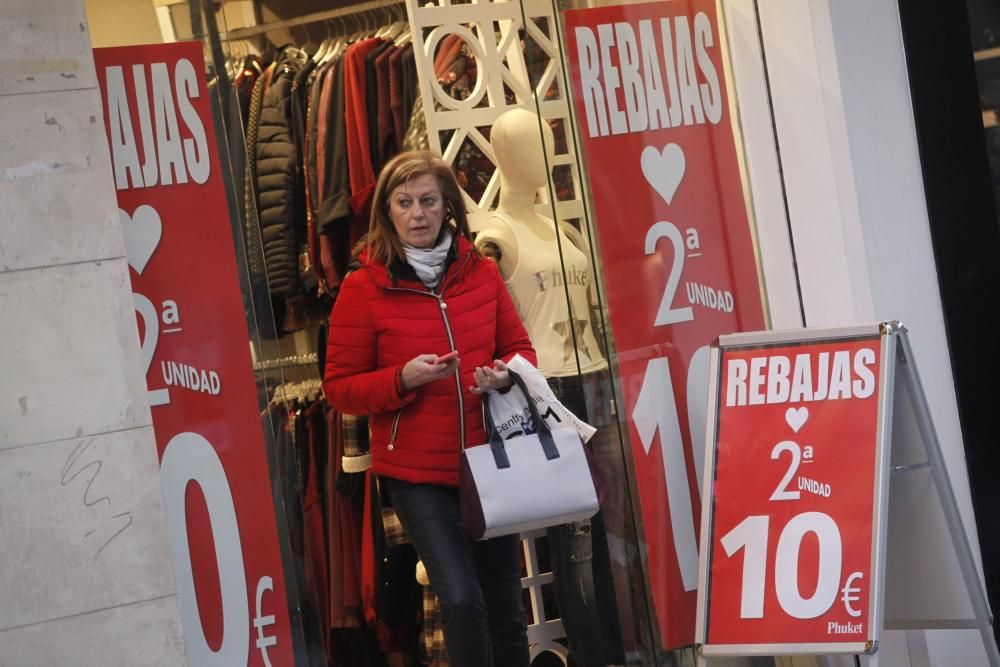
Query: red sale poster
[676, 249]
[216, 485]
[793, 498]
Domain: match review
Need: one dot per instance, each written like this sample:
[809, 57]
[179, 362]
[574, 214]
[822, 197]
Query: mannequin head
[521, 153]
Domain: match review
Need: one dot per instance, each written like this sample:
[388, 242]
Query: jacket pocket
[394, 429]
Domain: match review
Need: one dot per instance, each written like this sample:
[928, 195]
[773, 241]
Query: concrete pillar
[85, 570]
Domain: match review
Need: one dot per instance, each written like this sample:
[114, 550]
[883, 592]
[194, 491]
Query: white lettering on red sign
[613, 58]
[776, 379]
[168, 157]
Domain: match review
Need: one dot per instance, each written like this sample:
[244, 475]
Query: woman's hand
[489, 379]
[425, 368]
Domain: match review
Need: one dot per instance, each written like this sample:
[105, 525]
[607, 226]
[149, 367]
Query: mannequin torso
[550, 291]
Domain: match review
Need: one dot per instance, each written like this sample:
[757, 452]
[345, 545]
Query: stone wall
[85, 569]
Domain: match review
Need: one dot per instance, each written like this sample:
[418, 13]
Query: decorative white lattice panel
[517, 58]
[518, 61]
[543, 633]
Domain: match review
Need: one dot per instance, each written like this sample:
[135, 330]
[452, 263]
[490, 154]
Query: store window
[252, 469]
[599, 153]
[670, 223]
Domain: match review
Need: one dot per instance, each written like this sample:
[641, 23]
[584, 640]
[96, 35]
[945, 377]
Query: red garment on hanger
[396, 94]
[359, 157]
[314, 542]
[447, 51]
[388, 142]
[369, 574]
[321, 134]
[343, 534]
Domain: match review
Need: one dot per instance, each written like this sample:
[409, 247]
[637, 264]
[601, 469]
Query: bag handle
[541, 428]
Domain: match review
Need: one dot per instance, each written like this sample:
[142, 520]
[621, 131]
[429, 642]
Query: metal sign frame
[896, 357]
[905, 364]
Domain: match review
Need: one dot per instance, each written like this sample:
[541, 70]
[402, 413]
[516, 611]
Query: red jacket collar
[382, 276]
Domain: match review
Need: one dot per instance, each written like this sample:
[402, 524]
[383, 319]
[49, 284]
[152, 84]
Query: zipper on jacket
[395, 428]
[458, 378]
[442, 307]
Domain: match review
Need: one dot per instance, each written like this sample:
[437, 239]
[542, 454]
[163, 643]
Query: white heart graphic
[143, 230]
[796, 417]
[663, 170]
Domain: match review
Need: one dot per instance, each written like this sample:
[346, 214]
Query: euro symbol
[852, 594]
[261, 622]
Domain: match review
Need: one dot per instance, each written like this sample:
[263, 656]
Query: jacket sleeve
[352, 383]
[512, 337]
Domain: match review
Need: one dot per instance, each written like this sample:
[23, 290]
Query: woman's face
[417, 210]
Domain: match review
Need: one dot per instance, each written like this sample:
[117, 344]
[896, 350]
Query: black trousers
[478, 584]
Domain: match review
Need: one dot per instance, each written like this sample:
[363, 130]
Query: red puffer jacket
[383, 319]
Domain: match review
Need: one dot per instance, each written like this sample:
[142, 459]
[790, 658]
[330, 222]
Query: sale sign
[678, 257]
[792, 520]
[216, 485]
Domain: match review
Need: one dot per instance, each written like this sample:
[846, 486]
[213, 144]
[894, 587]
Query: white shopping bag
[510, 410]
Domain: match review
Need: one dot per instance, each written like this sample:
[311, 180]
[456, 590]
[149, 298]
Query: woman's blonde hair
[382, 242]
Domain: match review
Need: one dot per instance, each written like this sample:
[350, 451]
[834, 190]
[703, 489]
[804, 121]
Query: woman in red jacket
[417, 335]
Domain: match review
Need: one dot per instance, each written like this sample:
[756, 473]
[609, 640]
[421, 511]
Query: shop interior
[287, 105]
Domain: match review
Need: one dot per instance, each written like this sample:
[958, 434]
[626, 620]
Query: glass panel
[541, 231]
[984, 28]
[288, 362]
[496, 147]
[285, 367]
[638, 119]
[614, 196]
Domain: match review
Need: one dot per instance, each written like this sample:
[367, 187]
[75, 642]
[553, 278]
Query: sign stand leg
[906, 363]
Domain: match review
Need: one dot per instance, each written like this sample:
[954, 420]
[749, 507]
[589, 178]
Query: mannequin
[551, 294]
[524, 244]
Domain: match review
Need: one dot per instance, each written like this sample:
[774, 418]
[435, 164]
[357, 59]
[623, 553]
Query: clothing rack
[292, 360]
[317, 17]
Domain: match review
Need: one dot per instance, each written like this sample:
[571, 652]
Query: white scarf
[429, 262]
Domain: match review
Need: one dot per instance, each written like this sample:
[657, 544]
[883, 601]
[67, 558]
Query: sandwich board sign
[819, 449]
